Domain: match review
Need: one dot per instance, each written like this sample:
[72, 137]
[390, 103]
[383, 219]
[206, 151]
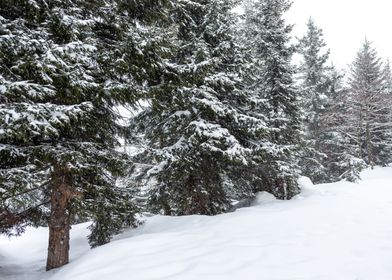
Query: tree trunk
[360, 130]
[59, 223]
[369, 146]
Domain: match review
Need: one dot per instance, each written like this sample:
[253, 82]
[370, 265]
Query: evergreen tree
[196, 128]
[387, 73]
[387, 92]
[342, 160]
[370, 107]
[64, 65]
[315, 84]
[275, 98]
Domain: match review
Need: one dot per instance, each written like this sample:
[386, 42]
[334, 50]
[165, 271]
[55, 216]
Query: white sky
[345, 24]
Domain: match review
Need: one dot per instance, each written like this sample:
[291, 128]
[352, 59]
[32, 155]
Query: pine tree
[315, 85]
[387, 73]
[342, 160]
[64, 65]
[275, 97]
[387, 92]
[196, 128]
[370, 107]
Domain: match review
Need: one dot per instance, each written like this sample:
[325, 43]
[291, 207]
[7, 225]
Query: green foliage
[196, 129]
[57, 109]
[315, 77]
[270, 82]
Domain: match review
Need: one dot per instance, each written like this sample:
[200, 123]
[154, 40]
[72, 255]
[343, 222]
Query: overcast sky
[346, 23]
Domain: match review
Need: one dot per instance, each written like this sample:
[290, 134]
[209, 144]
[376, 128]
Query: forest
[112, 110]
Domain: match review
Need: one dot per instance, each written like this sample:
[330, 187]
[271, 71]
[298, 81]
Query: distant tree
[387, 73]
[370, 107]
[342, 160]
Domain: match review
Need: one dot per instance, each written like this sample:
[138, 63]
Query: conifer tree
[64, 65]
[315, 86]
[275, 97]
[370, 107]
[196, 129]
[387, 73]
[387, 92]
[342, 161]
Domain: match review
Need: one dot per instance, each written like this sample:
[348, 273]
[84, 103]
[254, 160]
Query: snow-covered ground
[338, 231]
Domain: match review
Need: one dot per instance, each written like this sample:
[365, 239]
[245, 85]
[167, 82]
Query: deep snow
[339, 231]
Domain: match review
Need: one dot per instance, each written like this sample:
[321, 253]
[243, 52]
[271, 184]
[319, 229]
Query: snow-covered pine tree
[315, 86]
[196, 129]
[387, 92]
[370, 107]
[62, 69]
[343, 161]
[270, 81]
[387, 73]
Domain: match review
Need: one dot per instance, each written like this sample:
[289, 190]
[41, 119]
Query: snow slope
[339, 231]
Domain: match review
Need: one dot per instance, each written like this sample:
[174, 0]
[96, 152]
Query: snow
[339, 231]
[24, 257]
[3, 89]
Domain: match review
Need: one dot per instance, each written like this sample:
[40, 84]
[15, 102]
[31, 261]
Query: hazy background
[345, 24]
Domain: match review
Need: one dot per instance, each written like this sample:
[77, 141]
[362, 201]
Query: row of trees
[347, 120]
[224, 112]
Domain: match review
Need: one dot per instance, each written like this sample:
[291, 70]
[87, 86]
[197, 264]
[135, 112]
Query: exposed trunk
[59, 223]
[369, 146]
[280, 189]
[166, 209]
[360, 130]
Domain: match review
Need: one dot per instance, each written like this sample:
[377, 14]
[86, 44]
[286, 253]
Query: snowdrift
[339, 231]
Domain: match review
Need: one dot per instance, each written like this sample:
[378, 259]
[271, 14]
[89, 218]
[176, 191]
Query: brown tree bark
[59, 223]
[369, 146]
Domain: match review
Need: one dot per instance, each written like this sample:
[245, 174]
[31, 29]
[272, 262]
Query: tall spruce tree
[269, 80]
[315, 87]
[63, 66]
[387, 90]
[197, 129]
[370, 107]
[387, 73]
[342, 161]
